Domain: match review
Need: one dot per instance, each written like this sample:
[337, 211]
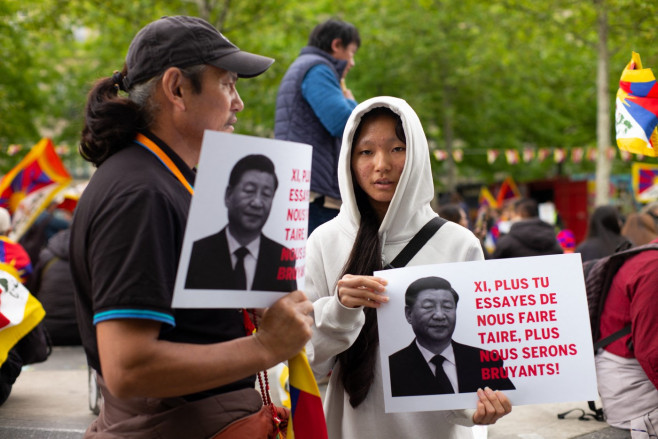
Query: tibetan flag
[486, 199]
[577, 154]
[69, 202]
[645, 182]
[13, 149]
[20, 312]
[542, 154]
[32, 184]
[306, 416]
[508, 191]
[559, 155]
[14, 255]
[611, 152]
[492, 155]
[440, 155]
[512, 156]
[637, 109]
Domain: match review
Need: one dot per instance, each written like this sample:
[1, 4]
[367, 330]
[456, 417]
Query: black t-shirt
[126, 239]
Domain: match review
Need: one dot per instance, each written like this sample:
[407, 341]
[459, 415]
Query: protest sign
[522, 326]
[245, 239]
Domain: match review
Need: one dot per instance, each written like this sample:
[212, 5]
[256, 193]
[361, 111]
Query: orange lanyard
[147, 143]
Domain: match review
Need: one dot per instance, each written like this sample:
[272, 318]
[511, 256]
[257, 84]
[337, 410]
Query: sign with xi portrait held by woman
[517, 325]
[245, 239]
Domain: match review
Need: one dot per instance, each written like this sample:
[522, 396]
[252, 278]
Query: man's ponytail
[111, 121]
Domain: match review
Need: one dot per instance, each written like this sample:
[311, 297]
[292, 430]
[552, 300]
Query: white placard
[205, 270]
[530, 312]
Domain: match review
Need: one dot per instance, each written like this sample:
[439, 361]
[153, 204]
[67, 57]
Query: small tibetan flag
[13, 149]
[306, 416]
[492, 155]
[645, 182]
[440, 155]
[32, 184]
[508, 191]
[559, 155]
[512, 156]
[577, 154]
[14, 255]
[39, 168]
[637, 109]
[20, 311]
[542, 154]
[486, 199]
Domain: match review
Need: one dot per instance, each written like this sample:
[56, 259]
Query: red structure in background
[570, 199]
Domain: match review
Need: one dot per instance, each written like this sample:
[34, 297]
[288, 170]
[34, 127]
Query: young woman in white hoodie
[386, 186]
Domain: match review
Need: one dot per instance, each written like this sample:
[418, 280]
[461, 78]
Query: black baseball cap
[183, 41]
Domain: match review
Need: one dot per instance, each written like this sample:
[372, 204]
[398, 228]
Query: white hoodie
[336, 326]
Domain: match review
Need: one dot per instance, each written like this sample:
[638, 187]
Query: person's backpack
[599, 274]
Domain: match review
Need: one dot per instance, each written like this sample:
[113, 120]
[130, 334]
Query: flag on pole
[625, 155]
[542, 154]
[559, 155]
[13, 149]
[13, 255]
[486, 199]
[512, 156]
[508, 191]
[577, 154]
[32, 184]
[492, 155]
[20, 312]
[440, 155]
[306, 416]
[637, 109]
[645, 182]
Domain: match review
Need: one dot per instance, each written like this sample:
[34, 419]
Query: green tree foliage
[481, 75]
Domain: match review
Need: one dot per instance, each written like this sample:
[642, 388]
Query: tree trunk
[449, 138]
[603, 163]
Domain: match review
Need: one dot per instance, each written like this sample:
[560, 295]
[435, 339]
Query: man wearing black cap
[162, 372]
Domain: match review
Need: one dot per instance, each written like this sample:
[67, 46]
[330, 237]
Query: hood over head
[415, 188]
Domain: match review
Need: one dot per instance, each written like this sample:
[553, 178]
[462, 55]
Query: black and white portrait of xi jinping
[240, 256]
[434, 363]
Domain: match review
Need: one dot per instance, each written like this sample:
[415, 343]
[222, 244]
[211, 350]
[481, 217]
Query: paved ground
[541, 422]
[50, 401]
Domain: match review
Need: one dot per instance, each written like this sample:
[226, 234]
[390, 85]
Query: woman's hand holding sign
[355, 291]
[491, 406]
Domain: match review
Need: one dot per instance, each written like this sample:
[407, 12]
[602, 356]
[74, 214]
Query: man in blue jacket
[313, 105]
